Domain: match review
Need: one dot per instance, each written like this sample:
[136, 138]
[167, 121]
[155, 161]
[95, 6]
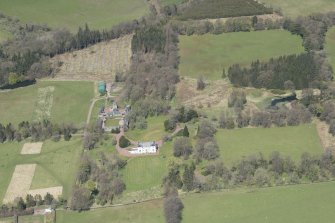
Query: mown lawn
[208, 54]
[330, 46]
[296, 8]
[25, 219]
[71, 101]
[56, 164]
[295, 204]
[170, 2]
[291, 141]
[143, 173]
[154, 131]
[98, 14]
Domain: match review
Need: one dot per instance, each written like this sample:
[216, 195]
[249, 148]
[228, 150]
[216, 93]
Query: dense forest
[293, 71]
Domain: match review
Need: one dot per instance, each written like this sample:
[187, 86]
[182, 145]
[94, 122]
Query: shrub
[124, 142]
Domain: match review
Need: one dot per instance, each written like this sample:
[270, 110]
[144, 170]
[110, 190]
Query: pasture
[236, 206]
[330, 46]
[171, 2]
[213, 53]
[56, 165]
[70, 102]
[294, 9]
[99, 14]
[210, 9]
[154, 131]
[289, 141]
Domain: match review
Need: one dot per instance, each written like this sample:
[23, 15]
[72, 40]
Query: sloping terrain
[98, 62]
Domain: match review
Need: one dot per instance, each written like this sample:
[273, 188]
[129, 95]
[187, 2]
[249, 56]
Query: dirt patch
[54, 191]
[44, 103]
[31, 148]
[215, 94]
[20, 182]
[98, 62]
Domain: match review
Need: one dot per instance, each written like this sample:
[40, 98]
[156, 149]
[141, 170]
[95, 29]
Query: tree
[173, 180]
[186, 132]
[206, 129]
[81, 199]
[332, 127]
[48, 198]
[188, 177]
[173, 208]
[182, 147]
[200, 83]
[30, 201]
[211, 151]
[261, 177]
[124, 142]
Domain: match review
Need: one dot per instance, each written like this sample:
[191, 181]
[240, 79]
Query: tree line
[37, 131]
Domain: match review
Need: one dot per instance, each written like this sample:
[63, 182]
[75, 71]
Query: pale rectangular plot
[54, 191]
[20, 182]
[31, 148]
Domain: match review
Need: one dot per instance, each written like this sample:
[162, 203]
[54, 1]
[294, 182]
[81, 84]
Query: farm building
[145, 148]
[102, 87]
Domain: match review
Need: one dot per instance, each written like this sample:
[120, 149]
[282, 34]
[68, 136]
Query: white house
[144, 150]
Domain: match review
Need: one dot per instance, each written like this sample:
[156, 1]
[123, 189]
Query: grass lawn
[292, 141]
[295, 204]
[208, 54]
[154, 131]
[56, 165]
[330, 46]
[147, 172]
[70, 104]
[72, 14]
[301, 7]
[96, 110]
[112, 122]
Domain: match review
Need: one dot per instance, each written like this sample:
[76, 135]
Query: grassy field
[301, 7]
[330, 46]
[215, 52]
[147, 172]
[25, 219]
[170, 2]
[70, 102]
[301, 203]
[292, 141]
[56, 165]
[72, 14]
[154, 131]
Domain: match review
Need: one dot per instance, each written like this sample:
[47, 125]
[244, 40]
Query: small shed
[102, 87]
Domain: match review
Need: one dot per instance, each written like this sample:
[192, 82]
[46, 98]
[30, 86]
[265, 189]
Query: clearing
[98, 62]
[289, 141]
[213, 53]
[97, 14]
[301, 7]
[70, 102]
[236, 206]
[31, 148]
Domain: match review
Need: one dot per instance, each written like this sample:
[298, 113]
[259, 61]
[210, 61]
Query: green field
[295, 204]
[70, 104]
[72, 14]
[330, 46]
[301, 7]
[147, 172]
[56, 165]
[170, 2]
[292, 141]
[154, 131]
[208, 54]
